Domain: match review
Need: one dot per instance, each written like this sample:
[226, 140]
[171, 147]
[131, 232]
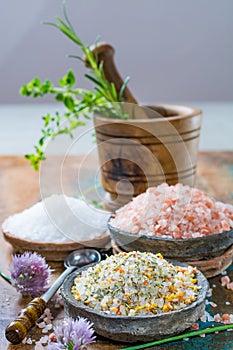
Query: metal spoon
[17, 330]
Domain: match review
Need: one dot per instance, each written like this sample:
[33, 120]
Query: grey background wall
[174, 50]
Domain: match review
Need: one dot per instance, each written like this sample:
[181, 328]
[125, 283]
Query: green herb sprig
[78, 102]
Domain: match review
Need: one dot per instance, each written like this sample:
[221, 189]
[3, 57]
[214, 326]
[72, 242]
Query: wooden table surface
[20, 189]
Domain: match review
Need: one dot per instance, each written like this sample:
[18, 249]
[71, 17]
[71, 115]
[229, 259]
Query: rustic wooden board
[19, 186]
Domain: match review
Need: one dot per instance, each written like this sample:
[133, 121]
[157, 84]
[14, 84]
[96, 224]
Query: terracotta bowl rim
[12, 239]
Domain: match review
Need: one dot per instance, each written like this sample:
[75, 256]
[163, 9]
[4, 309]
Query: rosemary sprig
[180, 337]
[79, 103]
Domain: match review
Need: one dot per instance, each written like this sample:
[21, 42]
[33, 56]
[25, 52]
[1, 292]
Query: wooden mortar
[159, 145]
[147, 152]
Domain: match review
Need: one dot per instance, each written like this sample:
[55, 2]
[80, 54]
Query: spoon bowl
[82, 257]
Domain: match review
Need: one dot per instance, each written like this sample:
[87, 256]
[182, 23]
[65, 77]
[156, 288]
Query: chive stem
[181, 336]
[5, 277]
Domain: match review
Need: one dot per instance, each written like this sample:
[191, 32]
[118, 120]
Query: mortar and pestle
[159, 145]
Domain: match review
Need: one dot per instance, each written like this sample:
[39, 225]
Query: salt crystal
[45, 330]
[225, 280]
[217, 318]
[226, 318]
[41, 325]
[29, 341]
[194, 327]
[230, 286]
[44, 340]
[52, 337]
[49, 326]
[58, 218]
[203, 318]
[213, 304]
[207, 317]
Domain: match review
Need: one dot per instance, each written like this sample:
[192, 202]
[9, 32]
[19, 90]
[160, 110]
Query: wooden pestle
[105, 53]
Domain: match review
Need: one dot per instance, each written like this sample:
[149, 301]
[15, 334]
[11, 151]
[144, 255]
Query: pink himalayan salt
[194, 327]
[217, 318]
[230, 286]
[178, 211]
[225, 280]
[225, 318]
[213, 304]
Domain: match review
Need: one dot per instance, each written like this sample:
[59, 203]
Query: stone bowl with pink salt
[180, 222]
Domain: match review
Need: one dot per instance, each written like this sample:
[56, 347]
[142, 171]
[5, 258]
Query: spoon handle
[105, 53]
[17, 330]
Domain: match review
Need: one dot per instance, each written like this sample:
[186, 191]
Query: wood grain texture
[17, 330]
[19, 189]
[143, 152]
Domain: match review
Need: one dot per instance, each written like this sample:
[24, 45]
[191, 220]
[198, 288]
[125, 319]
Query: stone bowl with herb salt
[136, 296]
[56, 226]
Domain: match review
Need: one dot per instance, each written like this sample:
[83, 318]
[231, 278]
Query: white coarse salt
[41, 325]
[29, 341]
[58, 218]
[44, 340]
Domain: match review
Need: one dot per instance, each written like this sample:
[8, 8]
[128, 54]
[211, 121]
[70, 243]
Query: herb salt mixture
[136, 284]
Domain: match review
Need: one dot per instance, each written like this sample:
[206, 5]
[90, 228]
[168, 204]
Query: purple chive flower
[72, 334]
[29, 273]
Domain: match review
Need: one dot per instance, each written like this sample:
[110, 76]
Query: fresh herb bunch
[79, 103]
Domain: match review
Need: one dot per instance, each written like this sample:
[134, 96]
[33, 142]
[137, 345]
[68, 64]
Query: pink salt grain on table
[177, 211]
[226, 282]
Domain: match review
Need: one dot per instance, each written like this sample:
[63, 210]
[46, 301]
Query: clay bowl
[189, 249]
[136, 328]
[53, 251]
